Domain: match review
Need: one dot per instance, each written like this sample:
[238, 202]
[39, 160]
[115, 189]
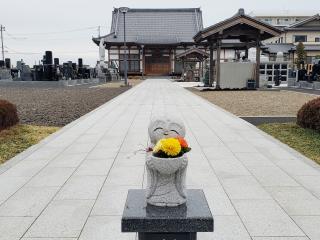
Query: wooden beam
[211, 77]
[119, 58]
[246, 53]
[235, 31]
[143, 62]
[218, 64]
[258, 62]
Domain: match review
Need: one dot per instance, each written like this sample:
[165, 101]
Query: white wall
[236, 74]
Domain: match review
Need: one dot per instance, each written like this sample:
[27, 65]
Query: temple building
[154, 38]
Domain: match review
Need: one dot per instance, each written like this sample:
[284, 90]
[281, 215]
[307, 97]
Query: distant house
[281, 18]
[302, 29]
[154, 38]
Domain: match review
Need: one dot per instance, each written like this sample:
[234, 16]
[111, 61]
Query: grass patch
[305, 141]
[20, 137]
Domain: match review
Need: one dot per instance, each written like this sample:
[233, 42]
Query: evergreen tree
[301, 55]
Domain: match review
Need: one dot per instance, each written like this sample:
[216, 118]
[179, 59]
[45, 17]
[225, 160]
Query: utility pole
[98, 31]
[2, 28]
[124, 10]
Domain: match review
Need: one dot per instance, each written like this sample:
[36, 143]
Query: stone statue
[101, 66]
[166, 176]
[102, 50]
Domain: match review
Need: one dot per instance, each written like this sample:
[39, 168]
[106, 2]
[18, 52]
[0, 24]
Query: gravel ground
[46, 103]
[257, 103]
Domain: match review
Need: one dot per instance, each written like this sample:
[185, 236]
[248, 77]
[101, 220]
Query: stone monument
[101, 66]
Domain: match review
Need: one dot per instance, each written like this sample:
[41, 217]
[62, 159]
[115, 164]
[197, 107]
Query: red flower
[183, 142]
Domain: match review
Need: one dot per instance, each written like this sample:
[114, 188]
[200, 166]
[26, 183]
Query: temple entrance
[157, 63]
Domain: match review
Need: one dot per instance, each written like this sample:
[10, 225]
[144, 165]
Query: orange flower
[183, 142]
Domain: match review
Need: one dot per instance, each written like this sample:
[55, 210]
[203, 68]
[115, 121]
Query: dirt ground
[48, 104]
[257, 103]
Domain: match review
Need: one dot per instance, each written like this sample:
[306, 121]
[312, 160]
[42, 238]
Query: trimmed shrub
[8, 114]
[309, 115]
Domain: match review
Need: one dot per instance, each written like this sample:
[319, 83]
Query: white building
[297, 27]
[282, 18]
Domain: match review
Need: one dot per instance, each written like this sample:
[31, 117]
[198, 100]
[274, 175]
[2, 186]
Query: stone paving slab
[73, 184]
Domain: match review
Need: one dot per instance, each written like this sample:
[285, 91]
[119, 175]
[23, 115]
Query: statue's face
[165, 128]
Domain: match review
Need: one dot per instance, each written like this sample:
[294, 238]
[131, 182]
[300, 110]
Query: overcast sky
[67, 26]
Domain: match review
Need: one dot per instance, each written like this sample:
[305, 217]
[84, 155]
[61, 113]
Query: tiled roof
[156, 26]
[240, 18]
[287, 47]
[303, 22]
[278, 47]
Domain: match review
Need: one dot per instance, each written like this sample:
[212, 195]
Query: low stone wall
[316, 85]
[291, 82]
[74, 82]
[5, 74]
[304, 85]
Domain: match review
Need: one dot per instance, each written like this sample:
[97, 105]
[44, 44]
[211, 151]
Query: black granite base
[167, 223]
[167, 236]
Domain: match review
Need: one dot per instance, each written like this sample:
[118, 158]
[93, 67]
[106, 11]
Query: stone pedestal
[167, 223]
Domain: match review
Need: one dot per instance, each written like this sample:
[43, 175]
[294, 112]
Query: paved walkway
[73, 185]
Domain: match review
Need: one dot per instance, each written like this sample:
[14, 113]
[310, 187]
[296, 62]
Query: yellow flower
[158, 146]
[170, 146]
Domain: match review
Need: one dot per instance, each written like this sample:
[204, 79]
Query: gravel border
[49, 104]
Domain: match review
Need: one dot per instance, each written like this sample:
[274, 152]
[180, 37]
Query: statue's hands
[184, 163]
[150, 164]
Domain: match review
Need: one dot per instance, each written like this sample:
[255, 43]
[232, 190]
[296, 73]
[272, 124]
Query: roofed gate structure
[154, 37]
[195, 57]
[244, 31]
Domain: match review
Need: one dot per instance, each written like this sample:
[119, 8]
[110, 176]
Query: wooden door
[157, 65]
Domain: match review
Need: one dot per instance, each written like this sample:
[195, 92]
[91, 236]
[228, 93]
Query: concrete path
[73, 185]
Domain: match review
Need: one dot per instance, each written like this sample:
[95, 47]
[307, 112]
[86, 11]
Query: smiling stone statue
[166, 176]
[165, 127]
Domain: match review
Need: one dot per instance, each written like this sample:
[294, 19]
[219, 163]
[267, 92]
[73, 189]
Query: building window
[280, 40]
[317, 39]
[300, 38]
[133, 62]
[267, 20]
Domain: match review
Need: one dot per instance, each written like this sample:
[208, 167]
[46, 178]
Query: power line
[18, 52]
[13, 51]
[58, 32]
[13, 37]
